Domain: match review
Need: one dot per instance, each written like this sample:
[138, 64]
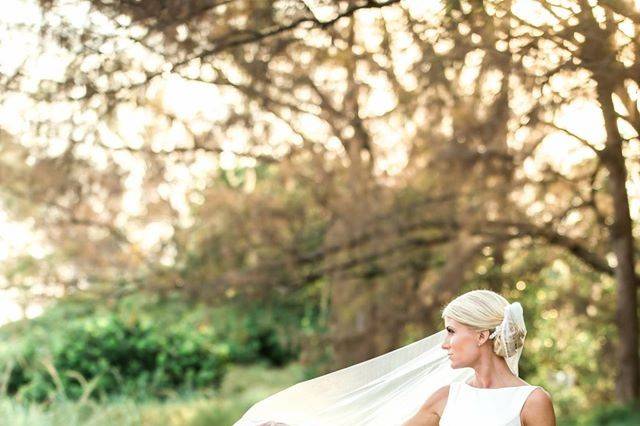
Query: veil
[386, 390]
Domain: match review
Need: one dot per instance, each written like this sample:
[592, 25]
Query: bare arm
[430, 412]
[538, 410]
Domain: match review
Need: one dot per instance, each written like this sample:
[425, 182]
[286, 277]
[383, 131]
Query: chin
[456, 365]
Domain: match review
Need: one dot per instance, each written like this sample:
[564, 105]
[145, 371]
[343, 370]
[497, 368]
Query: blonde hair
[484, 310]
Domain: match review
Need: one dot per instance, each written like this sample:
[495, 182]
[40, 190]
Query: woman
[495, 395]
[468, 374]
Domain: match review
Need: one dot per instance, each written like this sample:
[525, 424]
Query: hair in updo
[484, 310]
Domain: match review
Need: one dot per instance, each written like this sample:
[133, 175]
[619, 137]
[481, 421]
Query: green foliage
[569, 312]
[243, 386]
[106, 355]
[606, 415]
[266, 332]
[147, 347]
[615, 416]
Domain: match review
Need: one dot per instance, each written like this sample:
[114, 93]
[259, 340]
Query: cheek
[459, 341]
[462, 344]
[454, 344]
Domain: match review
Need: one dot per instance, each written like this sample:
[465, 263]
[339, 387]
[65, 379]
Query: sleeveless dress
[468, 405]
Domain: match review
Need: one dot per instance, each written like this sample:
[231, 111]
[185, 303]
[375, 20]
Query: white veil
[386, 390]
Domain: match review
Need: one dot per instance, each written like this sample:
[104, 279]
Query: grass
[242, 387]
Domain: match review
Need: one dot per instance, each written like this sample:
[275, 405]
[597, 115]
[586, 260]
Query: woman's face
[461, 343]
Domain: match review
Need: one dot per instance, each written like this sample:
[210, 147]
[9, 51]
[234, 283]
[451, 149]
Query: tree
[381, 148]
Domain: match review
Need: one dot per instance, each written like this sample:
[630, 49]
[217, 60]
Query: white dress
[468, 405]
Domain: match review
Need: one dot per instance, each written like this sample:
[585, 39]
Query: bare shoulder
[538, 409]
[438, 400]
[431, 411]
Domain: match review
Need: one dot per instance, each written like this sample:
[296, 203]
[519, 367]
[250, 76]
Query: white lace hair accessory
[512, 332]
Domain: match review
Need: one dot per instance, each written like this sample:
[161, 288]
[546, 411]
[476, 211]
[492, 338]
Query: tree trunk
[628, 381]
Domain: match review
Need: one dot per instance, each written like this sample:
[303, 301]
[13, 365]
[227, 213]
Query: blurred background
[205, 201]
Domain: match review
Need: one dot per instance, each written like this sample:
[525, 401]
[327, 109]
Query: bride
[476, 338]
[464, 375]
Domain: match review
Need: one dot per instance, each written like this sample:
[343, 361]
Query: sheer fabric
[386, 390]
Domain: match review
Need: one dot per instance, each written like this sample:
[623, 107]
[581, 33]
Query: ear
[483, 336]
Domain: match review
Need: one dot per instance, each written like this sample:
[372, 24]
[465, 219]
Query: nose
[445, 344]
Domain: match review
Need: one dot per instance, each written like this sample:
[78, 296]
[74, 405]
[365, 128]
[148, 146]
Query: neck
[492, 371]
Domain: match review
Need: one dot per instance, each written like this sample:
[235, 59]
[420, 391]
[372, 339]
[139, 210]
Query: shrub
[105, 355]
[256, 337]
[144, 346]
[615, 415]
